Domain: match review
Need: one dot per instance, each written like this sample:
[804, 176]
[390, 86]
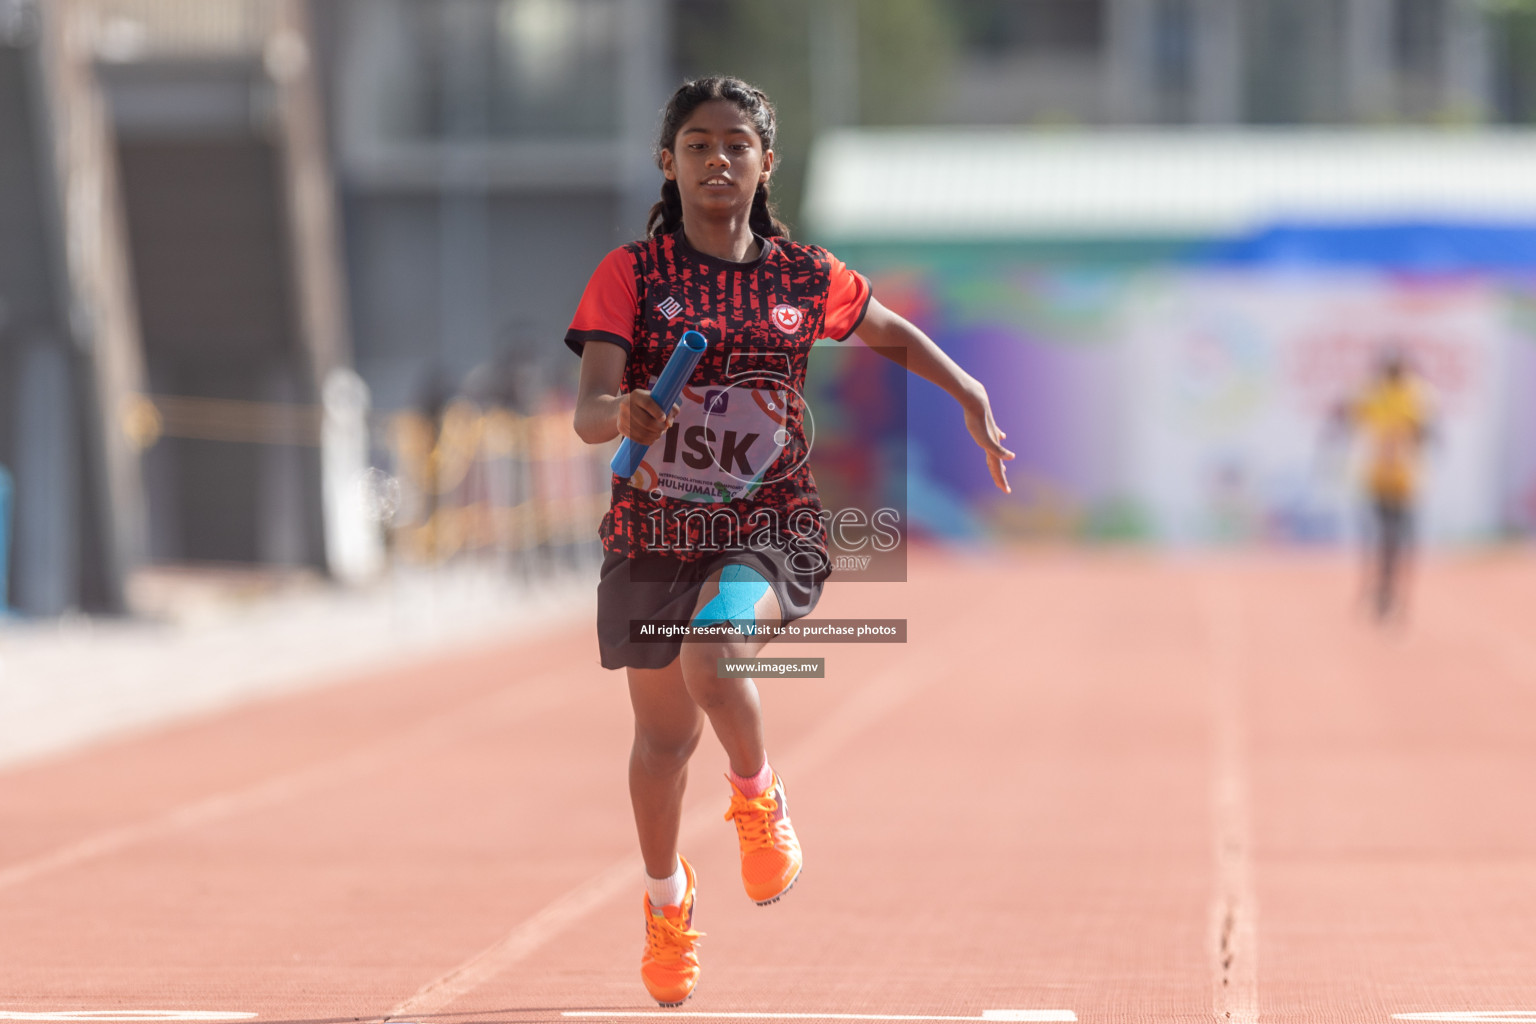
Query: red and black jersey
[734, 465]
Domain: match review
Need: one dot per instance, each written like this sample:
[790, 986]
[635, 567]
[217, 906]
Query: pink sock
[756, 785]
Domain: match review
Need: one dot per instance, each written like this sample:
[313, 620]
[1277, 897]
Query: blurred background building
[283, 282]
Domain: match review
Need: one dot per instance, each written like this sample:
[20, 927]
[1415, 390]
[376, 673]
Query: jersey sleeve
[608, 306]
[848, 296]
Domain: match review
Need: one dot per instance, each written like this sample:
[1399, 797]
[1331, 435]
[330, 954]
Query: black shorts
[658, 587]
[1393, 520]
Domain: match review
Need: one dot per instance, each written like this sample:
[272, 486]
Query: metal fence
[472, 482]
[489, 482]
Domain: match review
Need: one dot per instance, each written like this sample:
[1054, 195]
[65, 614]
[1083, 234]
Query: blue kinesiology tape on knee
[740, 590]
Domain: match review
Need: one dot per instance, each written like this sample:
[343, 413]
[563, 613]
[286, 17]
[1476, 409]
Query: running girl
[732, 534]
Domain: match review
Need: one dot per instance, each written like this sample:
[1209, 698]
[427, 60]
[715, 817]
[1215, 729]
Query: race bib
[724, 440]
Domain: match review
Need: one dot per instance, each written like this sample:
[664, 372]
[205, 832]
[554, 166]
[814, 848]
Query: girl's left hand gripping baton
[666, 391]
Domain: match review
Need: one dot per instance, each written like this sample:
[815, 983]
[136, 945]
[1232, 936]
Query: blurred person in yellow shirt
[1393, 416]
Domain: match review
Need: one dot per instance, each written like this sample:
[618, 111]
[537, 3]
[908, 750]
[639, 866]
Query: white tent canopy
[985, 183]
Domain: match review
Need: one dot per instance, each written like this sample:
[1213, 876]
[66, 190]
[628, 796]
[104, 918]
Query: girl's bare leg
[667, 728]
[731, 704]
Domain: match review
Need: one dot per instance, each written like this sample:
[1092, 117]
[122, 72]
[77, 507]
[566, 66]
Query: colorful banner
[1187, 403]
[1236, 375]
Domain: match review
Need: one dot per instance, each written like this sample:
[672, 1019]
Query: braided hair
[667, 215]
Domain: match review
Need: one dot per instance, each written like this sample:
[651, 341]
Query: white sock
[667, 892]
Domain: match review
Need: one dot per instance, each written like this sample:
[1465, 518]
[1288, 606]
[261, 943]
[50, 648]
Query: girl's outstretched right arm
[602, 413]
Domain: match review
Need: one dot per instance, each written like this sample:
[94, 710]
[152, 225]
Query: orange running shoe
[770, 853]
[670, 964]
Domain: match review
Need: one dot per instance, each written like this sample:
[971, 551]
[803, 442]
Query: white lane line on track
[126, 1015]
[527, 698]
[201, 812]
[1473, 1016]
[1014, 1015]
[864, 708]
[1233, 923]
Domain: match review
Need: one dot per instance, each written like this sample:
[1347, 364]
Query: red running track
[1119, 785]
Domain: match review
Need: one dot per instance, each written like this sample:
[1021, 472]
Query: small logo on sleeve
[787, 318]
[670, 307]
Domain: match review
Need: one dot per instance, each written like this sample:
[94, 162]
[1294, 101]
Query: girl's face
[717, 160]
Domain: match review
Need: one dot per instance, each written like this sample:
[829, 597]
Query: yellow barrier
[472, 482]
[491, 481]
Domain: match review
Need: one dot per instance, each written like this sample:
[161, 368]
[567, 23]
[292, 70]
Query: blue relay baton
[666, 391]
